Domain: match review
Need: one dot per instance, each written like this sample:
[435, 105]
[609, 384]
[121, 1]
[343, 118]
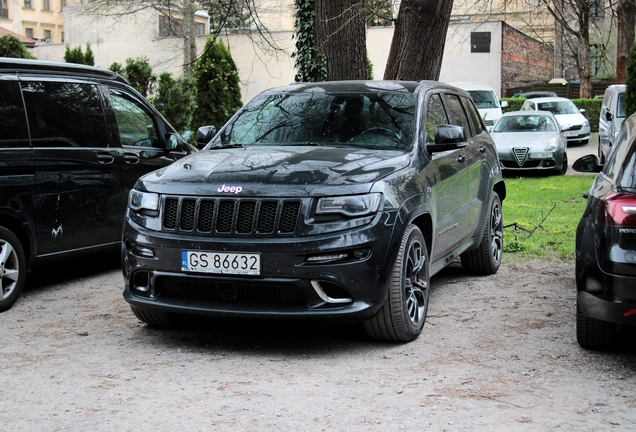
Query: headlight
[138, 200]
[586, 124]
[354, 205]
[552, 144]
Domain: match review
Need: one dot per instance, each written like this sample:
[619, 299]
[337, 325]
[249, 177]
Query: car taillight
[617, 209]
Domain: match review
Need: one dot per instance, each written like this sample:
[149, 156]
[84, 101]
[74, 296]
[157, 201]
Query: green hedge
[592, 108]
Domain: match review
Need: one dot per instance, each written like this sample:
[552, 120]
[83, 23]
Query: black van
[73, 141]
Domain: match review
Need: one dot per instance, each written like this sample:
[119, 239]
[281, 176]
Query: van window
[136, 127]
[620, 106]
[65, 114]
[14, 131]
[484, 98]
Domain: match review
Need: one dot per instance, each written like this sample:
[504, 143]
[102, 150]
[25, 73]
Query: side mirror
[447, 137]
[504, 104]
[587, 164]
[582, 110]
[608, 115]
[204, 135]
[172, 141]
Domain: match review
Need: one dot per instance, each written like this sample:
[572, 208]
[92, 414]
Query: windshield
[373, 120]
[559, 107]
[525, 123]
[484, 98]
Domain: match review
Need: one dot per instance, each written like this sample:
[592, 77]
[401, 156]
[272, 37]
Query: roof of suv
[362, 86]
[14, 65]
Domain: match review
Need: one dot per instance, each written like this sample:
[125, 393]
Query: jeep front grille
[230, 216]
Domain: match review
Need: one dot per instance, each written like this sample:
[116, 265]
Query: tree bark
[625, 39]
[341, 37]
[418, 42]
[189, 37]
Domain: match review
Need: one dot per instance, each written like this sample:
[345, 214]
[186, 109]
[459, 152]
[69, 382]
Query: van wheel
[12, 269]
[403, 314]
[592, 333]
[486, 259]
[157, 319]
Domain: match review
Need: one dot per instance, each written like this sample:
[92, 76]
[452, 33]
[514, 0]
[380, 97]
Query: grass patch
[541, 215]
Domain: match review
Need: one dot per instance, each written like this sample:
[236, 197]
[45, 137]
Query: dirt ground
[497, 353]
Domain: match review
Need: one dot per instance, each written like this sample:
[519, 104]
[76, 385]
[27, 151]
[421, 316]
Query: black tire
[601, 156]
[486, 259]
[156, 319]
[12, 269]
[564, 166]
[403, 314]
[592, 333]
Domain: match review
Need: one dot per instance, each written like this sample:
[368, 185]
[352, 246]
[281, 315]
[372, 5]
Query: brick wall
[524, 60]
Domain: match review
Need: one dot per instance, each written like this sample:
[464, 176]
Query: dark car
[331, 201]
[73, 141]
[606, 245]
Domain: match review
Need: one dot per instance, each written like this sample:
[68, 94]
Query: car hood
[536, 141]
[568, 120]
[276, 171]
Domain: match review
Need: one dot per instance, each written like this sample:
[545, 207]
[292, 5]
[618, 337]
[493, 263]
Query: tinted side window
[136, 127]
[617, 154]
[458, 115]
[475, 120]
[13, 129]
[435, 116]
[65, 114]
[628, 176]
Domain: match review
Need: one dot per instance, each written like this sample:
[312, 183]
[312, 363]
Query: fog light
[144, 251]
[361, 253]
[330, 257]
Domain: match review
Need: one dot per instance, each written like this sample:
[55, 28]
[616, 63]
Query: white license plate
[571, 134]
[221, 262]
[540, 155]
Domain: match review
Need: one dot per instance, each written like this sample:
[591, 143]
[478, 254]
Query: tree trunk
[584, 61]
[341, 37]
[418, 42]
[189, 38]
[625, 39]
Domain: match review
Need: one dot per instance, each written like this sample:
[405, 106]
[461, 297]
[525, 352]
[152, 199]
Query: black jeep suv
[330, 200]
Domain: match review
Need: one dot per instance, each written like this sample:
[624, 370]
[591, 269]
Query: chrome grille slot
[244, 217]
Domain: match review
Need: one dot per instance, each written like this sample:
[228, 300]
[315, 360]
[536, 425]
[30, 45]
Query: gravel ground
[497, 353]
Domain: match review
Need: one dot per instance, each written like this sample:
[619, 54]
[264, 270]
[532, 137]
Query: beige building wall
[41, 17]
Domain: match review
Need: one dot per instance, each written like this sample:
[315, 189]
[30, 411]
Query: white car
[486, 100]
[530, 140]
[574, 125]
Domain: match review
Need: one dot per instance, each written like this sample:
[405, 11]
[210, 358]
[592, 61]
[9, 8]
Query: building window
[62, 5]
[47, 36]
[200, 29]
[4, 9]
[46, 6]
[597, 9]
[28, 32]
[480, 42]
[27, 4]
[170, 27]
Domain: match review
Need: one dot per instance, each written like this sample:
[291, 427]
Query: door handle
[131, 158]
[105, 158]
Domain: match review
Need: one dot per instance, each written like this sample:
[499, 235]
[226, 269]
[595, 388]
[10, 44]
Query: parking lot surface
[496, 353]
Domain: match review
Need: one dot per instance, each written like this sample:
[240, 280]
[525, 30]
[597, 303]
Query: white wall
[260, 66]
[461, 65]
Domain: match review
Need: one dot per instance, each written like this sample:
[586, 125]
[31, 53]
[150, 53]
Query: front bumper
[350, 289]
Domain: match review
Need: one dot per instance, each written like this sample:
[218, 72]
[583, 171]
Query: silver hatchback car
[530, 141]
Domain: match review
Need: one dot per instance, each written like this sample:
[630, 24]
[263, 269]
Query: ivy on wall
[310, 65]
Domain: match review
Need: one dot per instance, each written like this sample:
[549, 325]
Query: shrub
[176, 99]
[218, 91]
[10, 46]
